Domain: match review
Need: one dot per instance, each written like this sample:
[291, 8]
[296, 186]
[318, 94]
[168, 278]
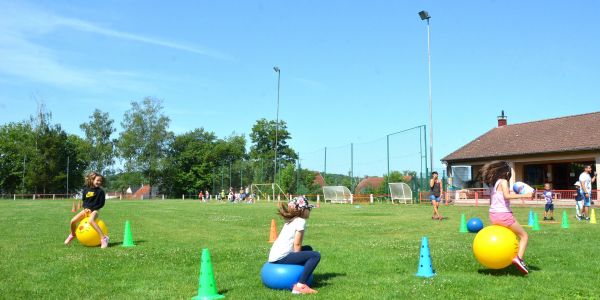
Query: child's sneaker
[104, 242]
[545, 219]
[69, 238]
[304, 289]
[520, 264]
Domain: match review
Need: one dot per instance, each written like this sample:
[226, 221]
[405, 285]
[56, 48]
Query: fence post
[351, 199]
[371, 198]
[14, 196]
[476, 199]
[182, 196]
[268, 198]
[163, 196]
[33, 196]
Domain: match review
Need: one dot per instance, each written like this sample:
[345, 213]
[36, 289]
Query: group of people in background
[243, 195]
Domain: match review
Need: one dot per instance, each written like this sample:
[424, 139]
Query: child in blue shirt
[549, 209]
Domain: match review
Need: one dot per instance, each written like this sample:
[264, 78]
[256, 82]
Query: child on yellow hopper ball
[288, 249]
[93, 200]
[496, 174]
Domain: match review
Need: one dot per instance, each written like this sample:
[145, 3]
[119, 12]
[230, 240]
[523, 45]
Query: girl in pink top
[496, 175]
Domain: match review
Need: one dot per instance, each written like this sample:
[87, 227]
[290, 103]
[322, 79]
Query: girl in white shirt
[288, 249]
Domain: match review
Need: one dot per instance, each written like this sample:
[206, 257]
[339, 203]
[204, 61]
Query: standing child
[496, 175]
[435, 184]
[549, 208]
[578, 201]
[93, 201]
[288, 249]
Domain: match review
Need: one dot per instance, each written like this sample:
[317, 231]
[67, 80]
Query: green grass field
[370, 252]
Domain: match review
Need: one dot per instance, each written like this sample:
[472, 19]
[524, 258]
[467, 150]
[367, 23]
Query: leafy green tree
[190, 162]
[145, 139]
[262, 151]
[98, 133]
[16, 145]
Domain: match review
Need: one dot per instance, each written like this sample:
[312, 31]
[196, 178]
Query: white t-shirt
[587, 181]
[284, 244]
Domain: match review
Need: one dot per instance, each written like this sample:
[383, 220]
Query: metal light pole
[425, 16]
[276, 122]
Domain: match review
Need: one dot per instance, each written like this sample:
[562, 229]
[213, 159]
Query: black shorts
[549, 206]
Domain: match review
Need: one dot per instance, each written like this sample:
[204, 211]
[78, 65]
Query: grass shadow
[509, 271]
[320, 280]
[116, 244]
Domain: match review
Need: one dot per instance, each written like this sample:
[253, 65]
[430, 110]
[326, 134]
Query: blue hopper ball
[474, 225]
[282, 276]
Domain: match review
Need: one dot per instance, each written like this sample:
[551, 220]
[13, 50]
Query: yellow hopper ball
[495, 246]
[87, 235]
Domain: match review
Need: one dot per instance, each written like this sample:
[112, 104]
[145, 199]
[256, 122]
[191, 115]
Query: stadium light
[276, 69]
[425, 16]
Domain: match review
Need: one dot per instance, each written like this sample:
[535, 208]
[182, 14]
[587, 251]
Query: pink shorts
[504, 219]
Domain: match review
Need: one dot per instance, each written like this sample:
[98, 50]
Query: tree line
[37, 156]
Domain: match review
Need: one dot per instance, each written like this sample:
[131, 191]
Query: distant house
[369, 183]
[546, 151]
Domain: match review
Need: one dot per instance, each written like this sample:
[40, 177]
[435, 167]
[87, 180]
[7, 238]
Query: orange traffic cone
[273, 235]
[73, 207]
[318, 201]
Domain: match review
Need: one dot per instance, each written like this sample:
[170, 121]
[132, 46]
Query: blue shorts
[587, 200]
[549, 206]
[434, 198]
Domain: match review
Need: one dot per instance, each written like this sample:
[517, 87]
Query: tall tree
[263, 146]
[190, 162]
[98, 133]
[145, 139]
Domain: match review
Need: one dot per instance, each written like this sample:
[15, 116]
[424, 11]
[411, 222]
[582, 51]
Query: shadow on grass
[510, 271]
[320, 280]
[117, 244]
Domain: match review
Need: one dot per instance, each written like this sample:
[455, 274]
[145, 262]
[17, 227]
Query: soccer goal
[400, 191]
[337, 194]
[267, 192]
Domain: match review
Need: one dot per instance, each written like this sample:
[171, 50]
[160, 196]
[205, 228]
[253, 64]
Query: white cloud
[21, 25]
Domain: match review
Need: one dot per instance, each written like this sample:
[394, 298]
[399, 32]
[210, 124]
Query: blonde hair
[89, 179]
[288, 213]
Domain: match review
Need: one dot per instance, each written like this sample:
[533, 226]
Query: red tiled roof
[372, 182]
[564, 134]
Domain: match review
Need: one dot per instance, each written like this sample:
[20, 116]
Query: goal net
[337, 194]
[267, 192]
[400, 191]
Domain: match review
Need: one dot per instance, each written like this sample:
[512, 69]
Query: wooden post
[476, 199]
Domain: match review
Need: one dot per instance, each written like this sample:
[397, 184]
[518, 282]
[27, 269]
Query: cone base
[215, 296]
[128, 246]
[425, 274]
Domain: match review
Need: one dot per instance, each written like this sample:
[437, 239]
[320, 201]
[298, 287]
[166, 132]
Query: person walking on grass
[435, 185]
[288, 248]
[93, 201]
[549, 207]
[585, 182]
[496, 175]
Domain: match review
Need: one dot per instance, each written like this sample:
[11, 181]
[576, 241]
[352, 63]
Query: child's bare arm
[508, 195]
[298, 240]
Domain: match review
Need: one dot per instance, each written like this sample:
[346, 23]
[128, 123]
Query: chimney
[502, 120]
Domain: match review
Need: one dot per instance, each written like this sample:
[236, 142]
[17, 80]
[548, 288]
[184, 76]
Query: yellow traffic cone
[593, 217]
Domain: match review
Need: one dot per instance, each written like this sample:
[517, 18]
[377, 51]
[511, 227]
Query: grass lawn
[370, 252]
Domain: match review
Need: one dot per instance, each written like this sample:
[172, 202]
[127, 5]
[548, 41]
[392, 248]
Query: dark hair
[491, 172]
[434, 172]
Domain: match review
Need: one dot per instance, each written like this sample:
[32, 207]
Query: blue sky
[351, 71]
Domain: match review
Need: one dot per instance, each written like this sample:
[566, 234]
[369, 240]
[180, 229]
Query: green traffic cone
[207, 288]
[127, 236]
[463, 224]
[565, 220]
[536, 223]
